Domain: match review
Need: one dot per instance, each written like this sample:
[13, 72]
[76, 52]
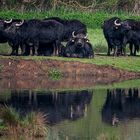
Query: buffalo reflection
[58, 105]
[120, 105]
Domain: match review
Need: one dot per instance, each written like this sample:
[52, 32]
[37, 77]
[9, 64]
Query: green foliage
[9, 116]
[55, 74]
[91, 19]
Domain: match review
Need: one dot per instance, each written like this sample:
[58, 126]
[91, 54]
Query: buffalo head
[79, 39]
[123, 25]
[14, 25]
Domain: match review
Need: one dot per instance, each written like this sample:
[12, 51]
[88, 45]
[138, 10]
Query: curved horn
[86, 36]
[117, 24]
[19, 24]
[8, 21]
[73, 35]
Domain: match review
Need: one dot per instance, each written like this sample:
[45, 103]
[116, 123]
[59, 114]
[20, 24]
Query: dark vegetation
[95, 11]
[88, 5]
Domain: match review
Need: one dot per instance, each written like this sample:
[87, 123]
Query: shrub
[54, 74]
[32, 125]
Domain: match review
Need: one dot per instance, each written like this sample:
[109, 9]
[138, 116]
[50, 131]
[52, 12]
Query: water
[90, 114]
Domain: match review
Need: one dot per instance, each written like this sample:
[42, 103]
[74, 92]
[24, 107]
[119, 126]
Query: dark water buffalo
[10, 37]
[68, 27]
[78, 46]
[114, 33]
[3, 25]
[45, 49]
[119, 33]
[33, 32]
[132, 36]
[109, 30]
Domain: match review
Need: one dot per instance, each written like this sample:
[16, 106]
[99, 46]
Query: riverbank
[26, 73]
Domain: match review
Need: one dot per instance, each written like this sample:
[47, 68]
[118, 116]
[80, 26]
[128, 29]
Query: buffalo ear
[72, 40]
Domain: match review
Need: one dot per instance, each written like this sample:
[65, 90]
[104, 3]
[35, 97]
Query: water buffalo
[68, 27]
[3, 25]
[132, 36]
[32, 32]
[10, 37]
[109, 29]
[78, 46]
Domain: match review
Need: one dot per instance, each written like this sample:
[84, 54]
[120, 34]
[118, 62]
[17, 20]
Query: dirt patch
[26, 74]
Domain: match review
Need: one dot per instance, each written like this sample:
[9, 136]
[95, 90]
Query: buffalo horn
[19, 24]
[117, 24]
[8, 21]
[73, 35]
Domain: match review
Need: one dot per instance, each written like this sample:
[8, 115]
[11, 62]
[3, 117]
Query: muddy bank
[31, 74]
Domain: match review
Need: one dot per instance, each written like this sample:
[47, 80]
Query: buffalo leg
[124, 50]
[108, 52]
[131, 48]
[17, 47]
[115, 51]
[14, 50]
[35, 47]
[136, 48]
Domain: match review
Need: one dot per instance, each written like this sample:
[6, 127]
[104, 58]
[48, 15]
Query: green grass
[91, 19]
[55, 74]
[127, 63]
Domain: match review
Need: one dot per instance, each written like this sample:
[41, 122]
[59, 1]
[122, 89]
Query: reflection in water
[58, 105]
[121, 104]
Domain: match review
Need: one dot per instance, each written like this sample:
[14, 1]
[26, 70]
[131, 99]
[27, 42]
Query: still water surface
[82, 115]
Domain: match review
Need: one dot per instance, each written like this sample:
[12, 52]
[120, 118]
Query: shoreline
[31, 74]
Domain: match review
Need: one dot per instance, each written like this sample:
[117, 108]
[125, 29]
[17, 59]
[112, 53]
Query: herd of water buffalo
[45, 37]
[120, 33]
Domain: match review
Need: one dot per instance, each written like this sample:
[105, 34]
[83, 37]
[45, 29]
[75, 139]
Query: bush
[54, 74]
[32, 125]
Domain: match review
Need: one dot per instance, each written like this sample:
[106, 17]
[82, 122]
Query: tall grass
[32, 125]
[91, 19]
